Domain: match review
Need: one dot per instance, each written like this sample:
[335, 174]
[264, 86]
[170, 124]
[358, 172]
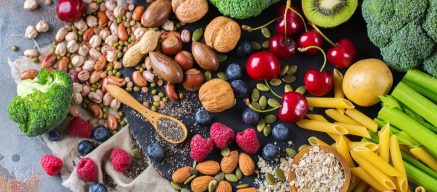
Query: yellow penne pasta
[326, 102]
[419, 189]
[342, 148]
[425, 157]
[369, 145]
[338, 87]
[396, 157]
[314, 141]
[362, 119]
[337, 116]
[322, 126]
[317, 117]
[369, 179]
[357, 130]
[361, 187]
[384, 142]
[402, 184]
[380, 176]
[377, 161]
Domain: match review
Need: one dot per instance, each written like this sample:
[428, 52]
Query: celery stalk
[403, 137]
[425, 92]
[419, 165]
[419, 119]
[424, 81]
[420, 178]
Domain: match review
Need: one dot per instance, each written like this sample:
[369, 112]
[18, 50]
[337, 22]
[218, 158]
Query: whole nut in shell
[134, 54]
[229, 163]
[189, 11]
[216, 95]
[222, 34]
[182, 174]
[171, 45]
[184, 59]
[156, 13]
[166, 68]
[193, 80]
[200, 184]
[205, 57]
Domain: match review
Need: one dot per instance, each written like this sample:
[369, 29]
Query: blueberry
[234, 72]
[101, 134]
[270, 151]
[203, 117]
[240, 88]
[85, 147]
[54, 135]
[250, 117]
[280, 131]
[97, 187]
[155, 152]
[244, 49]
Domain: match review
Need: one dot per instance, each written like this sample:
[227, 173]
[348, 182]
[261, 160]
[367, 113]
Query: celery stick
[422, 79]
[425, 92]
[416, 102]
[403, 137]
[405, 123]
[419, 119]
[420, 178]
[419, 165]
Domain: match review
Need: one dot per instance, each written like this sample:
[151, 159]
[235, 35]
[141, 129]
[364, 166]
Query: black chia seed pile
[170, 129]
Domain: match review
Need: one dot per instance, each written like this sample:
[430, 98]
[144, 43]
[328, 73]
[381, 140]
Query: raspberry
[248, 141]
[221, 135]
[200, 147]
[51, 164]
[80, 128]
[87, 169]
[120, 159]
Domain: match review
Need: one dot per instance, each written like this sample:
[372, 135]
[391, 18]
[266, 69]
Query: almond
[208, 167]
[223, 186]
[246, 163]
[230, 162]
[182, 174]
[201, 183]
[247, 190]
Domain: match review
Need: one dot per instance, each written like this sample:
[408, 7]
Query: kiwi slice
[329, 13]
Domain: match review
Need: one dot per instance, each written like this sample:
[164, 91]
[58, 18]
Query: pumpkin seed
[256, 46]
[266, 32]
[270, 119]
[238, 173]
[231, 177]
[302, 147]
[212, 185]
[220, 176]
[262, 87]
[190, 179]
[284, 70]
[255, 95]
[290, 152]
[301, 90]
[225, 152]
[222, 57]
[288, 88]
[289, 78]
[193, 169]
[273, 102]
[207, 75]
[270, 179]
[275, 82]
[222, 75]
[260, 125]
[185, 190]
[255, 105]
[263, 102]
[292, 70]
[175, 186]
[279, 174]
[197, 35]
[136, 154]
[265, 45]
[244, 185]
[267, 130]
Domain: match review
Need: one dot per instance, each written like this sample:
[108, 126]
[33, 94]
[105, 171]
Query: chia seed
[170, 129]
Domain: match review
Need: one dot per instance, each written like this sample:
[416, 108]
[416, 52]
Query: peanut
[147, 43]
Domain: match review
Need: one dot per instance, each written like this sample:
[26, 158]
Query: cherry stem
[323, 35]
[249, 28]
[316, 47]
[246, 101]
[271, 90]
[288, 6]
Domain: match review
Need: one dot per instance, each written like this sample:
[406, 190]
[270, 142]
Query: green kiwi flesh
[329, 13]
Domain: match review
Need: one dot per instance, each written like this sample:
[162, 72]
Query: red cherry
[282, 46]
[343, 54]
[311, 38]
[293, 22]
[69, 10]
[263, 65]
[318, 83]
[294, 107]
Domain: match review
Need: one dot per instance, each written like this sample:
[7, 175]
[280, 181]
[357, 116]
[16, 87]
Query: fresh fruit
[229, 163]
[310, 38]
[250, 117]
[289, 23]
[78, 127]
[200, 147]
[97, 187]
[280, 131]
[244, 49]
[120, 159]
[155, 152]
[240, 88]
[101, 134]
[85, 147]
[263, 65]
[270, 151]
[69, 10]
[54, 135]
[208, 167]
[234, 72]
[342, 54]
[221, 135]
[329, 13]
[246, 163]
[51, 164]
[294, 107]
[203, 117]
[182, 174]
[282, 46]
[87, 170]
[248, 141]
[318, 83]
[367, 80]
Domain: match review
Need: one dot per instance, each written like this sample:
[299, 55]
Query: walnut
[216, 95]
[189, 11]
[222, 34]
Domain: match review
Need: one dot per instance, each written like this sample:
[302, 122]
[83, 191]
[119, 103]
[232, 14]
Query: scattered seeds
[273, 103]
[302, 147]
[255, 105]
[207, 75]
[255, 95]
[225, 152]
[275, 82]
[301, 90]
[260, 126]
[262, 87]
[222, 75]
[270, 119]
[197, 35]
[238, 173]
[290, 152]
[289, 78]
[231, 177]
[263, 102]
[175, 186]
[190, 179]
[136, 154]
[266, 32]
[256, 46]
[288, 88]
[222, 57]
[265, 44]
[244, 185]
[292, 70]
[279, 174]
[220, 176]
[212, 185]
[267, 130]
[270, 179]
[284, 70]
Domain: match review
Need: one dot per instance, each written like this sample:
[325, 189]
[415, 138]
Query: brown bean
[48, 60]
[100, 63]
[95, 76]
[102, 18]
[75, 110]
[29, 74]
[120, 82]
[138, 79]
[63, 64]
[96, 110]
[121, 32]
[88, 34]
[138, 12]
[112, 122]
[170, 91]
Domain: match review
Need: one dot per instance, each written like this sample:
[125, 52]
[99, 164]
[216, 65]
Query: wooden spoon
[153, 117]
[343, 163]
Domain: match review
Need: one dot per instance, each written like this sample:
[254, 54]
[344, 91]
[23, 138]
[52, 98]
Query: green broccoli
[42, 103]
[242, 9]
[430, 64]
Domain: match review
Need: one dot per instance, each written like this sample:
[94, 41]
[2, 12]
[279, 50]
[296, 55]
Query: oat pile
[318, 171]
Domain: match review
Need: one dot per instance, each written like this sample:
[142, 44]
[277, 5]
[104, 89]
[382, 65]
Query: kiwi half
[329, 13]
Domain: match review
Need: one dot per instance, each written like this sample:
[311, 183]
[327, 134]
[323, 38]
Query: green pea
[136, 89]
[154, 92]
[153, 84]
[14, 48]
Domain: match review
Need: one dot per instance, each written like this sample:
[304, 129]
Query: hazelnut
[222, 34]
[193, 80]
[171, 45]
[184, 59]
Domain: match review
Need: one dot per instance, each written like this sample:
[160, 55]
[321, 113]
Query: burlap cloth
[66, 149]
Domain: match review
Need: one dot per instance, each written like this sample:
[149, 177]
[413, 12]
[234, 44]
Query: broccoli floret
[430, 24]
[43, 103]
[430, 64]
[242, 9]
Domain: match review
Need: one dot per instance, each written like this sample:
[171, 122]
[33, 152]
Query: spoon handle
[127, 99]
